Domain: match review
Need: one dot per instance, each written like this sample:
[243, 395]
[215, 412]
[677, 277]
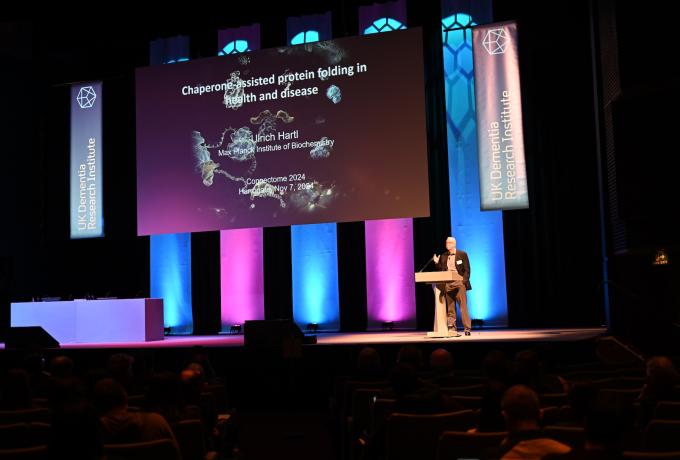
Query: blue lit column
[171, 254]
[479, 233]
[314, 248]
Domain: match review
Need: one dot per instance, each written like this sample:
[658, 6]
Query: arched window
[235, 47]
[459, 74]
[384, 25]
[172, 61]
[308, 36]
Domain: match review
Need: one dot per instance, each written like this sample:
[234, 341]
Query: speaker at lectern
[437, 279]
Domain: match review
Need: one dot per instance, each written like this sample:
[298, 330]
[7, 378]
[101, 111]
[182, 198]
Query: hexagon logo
[86, 97]
[496, 41]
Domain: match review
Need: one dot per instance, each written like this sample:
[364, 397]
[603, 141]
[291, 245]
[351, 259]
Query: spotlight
[235, 329]
[388, 325]
[312, 327]
[661, 257]
[477, 323]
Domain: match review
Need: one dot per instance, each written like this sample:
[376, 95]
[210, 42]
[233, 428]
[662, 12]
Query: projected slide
[323, 132]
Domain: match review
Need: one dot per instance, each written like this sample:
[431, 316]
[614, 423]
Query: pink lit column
[241, 276]
[241, 259]
[390, 286]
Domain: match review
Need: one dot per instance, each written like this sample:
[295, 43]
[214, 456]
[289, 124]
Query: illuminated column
[314, 248]
[170, 255]
[479, 233]
[390, 287]
[241, 250]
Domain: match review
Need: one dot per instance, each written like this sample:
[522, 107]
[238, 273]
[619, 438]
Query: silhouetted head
[368, 361]
[521, 408]
[109, 395]
[404, 379]
[408, 354]
[61, 367]
[441, 361]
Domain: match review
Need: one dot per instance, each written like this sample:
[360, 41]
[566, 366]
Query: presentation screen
[322, 132]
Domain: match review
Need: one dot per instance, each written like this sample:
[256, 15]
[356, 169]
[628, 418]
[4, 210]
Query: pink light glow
[391, 292]
[241, 276]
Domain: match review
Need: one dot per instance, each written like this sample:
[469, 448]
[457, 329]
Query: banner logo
[86, 97]
[496, 41]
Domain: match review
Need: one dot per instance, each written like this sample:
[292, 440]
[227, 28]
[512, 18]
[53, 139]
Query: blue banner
[86, 173]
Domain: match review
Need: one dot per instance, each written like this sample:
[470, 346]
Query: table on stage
[93, 321]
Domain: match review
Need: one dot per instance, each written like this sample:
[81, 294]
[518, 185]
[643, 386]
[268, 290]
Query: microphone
[428, 263]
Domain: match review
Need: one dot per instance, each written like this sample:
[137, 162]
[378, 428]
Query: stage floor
[367, 338]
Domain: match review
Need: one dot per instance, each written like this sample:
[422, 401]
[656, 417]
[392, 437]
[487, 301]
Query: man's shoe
[467, 332]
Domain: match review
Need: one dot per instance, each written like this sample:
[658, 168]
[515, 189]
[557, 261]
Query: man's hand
[435, 258]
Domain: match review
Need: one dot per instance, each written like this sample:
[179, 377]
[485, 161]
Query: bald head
[441, 361]
[659, 364]
[61, 366]
[521, 406]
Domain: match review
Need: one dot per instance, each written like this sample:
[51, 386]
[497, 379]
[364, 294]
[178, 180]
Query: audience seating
[461, 444]
[667, 410]
[24, 415]
[573, 436]
[28, 453]
[159, 449]
[15, 435]
[470, 390]
[416, 436]
[651, 455]
[661, 435]
[189, 435]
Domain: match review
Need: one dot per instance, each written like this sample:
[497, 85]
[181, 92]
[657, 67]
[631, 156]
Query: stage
[487, 336]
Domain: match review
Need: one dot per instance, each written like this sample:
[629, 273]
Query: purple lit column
[390, 285]
[241, 257]
[241, 276]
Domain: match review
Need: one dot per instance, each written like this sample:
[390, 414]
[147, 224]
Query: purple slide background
[377, 168]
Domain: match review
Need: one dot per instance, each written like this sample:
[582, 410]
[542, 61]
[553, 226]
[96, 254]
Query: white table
[93, 321]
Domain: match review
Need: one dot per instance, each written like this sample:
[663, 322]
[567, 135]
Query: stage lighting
[661, 257]
[388, 325]
[235, 329]
[312, 327]
[477, 323]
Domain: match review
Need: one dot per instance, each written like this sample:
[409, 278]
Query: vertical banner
[86, 176]
[502, 170]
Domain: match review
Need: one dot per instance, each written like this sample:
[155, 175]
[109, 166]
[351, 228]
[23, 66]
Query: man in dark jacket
[456, 261]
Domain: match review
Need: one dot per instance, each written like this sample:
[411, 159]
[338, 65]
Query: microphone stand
[428, 263]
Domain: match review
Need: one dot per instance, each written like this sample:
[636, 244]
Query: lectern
[437, 279]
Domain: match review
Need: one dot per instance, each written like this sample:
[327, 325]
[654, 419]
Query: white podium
[441, 328]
